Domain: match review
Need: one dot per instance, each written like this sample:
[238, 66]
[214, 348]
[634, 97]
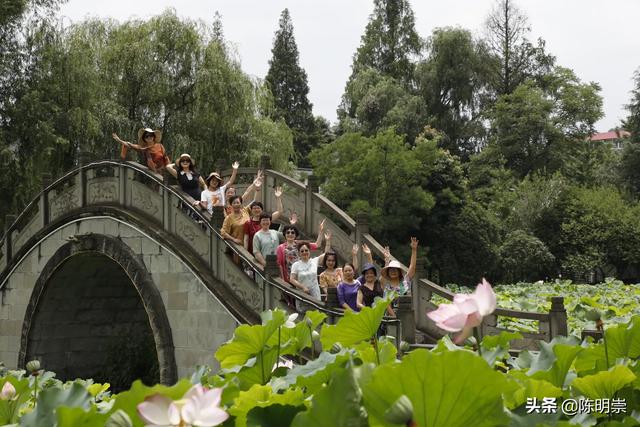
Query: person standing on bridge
[395, 278]
[215, 192]
[189, 179]
[252, 190]
[304, 272]
[287, 252]
[254, 225]
[149, 145]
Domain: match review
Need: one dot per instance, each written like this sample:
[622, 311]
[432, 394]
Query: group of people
[249, 225]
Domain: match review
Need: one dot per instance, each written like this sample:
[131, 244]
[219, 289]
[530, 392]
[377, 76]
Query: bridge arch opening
[96, 313]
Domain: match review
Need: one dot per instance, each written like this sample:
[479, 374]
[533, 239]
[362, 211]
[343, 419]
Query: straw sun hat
[393, 264]
[157, 135]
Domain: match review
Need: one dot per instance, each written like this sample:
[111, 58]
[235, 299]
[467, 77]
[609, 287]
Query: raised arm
[320, 233]
[128, 144]
[367, 252]
[171, 168]
[414, 258]
[387, 256]
[327, 246]
[279, 206]
[354, 257]
[252, 189]
[234, 173]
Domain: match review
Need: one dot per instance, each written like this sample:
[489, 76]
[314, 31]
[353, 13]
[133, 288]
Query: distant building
[615, 137]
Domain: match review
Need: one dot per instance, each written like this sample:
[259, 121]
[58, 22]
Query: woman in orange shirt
[150, 146]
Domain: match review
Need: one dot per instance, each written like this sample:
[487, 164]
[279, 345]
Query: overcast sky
[598, 39]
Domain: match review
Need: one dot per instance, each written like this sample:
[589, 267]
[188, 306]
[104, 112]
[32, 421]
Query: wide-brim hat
[183, 155]
[368, 266]
[393, 264]
[157, 135]
[212, 175]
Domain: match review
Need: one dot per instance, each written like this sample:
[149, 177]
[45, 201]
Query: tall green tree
[390, 45]
[452, 81]
[515, 58]
[632, 122]
[288, 83]
[535, 128]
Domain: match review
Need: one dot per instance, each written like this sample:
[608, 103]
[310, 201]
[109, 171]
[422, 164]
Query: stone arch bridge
[107, 266]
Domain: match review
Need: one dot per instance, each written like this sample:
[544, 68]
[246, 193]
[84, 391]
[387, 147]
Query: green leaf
[257, 370]
[295, 340]
[354, 327]
[248, 341]
[336, 405]
[503, 339]
[272, 416]
[454, 388]
[129, 400]
[316, 373]
[604, 384]
[262, 396]
[76, 417]
[367, 353]
[529, 387]
[49, 400]
[553, 361]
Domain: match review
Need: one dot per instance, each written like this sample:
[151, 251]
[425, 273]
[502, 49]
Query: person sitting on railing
[254, 224]
[252, 190]
[191, 182]
[304, 272]
[287, 252]
[214, 194]
[149, 144]
[395, 278]
[265, 241]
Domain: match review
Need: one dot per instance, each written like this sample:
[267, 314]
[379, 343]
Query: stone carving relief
[102, 192]
[63, 202]
[244, 287]
[192, 234]
[145, 200]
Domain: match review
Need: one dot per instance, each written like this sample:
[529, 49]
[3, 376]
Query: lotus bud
[335, 348]
[309, 322]
[33, 366]
[401, 412]
[315, 335]
[8, 391]
[119, 419]
[404, 346]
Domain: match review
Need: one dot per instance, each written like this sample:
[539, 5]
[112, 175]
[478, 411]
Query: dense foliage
[356, 380]
[476, 144]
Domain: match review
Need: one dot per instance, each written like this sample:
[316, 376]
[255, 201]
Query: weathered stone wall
[199, 323]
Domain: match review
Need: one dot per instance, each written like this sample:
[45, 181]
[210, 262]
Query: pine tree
[288, 83]
[390, 45]
[390, 42]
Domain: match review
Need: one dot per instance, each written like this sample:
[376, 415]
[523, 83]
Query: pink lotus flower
[8, 391]
[466, 311]
[199, 407]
